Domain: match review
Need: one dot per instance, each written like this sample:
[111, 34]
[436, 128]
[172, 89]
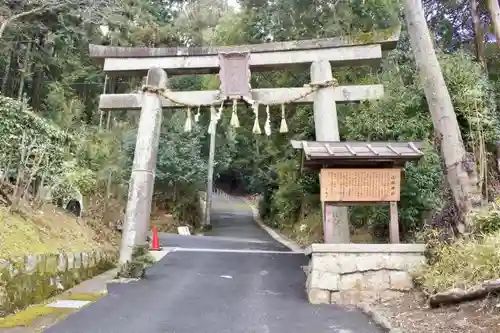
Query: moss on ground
[46, 231]
[141, 261]
[25, 289]
[28, 316]
[91, 297]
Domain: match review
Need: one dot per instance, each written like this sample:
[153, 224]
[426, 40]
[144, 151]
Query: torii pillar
[335, 218]
[141, 185]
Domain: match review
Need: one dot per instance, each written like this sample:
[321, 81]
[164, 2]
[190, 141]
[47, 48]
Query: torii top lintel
[346, 50]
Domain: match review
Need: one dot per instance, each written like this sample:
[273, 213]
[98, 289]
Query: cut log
[457, 295]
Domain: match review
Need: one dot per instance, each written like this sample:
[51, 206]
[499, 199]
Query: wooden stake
[394, 224]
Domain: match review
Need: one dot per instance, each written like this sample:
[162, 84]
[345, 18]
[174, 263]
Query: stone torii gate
[323, 92]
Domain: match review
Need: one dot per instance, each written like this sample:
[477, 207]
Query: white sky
[233, 3]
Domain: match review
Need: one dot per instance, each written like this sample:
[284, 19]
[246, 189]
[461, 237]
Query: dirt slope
[49, 230]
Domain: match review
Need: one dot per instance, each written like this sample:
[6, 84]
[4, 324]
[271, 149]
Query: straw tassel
[197, 115]
[218, 115]
[188, 125]
[213, 120]
[235, 122]
[231, 133]
[267, 125]
[283, 126]
[256, 127]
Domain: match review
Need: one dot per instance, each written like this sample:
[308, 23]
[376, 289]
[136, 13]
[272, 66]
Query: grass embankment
[47, 230]
[468, 261]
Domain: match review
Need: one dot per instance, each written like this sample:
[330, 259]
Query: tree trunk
[494, 10]
[478, 33]
[460, 172]
[24, 71]
[3, 26]
[6, 74]
[38, 78]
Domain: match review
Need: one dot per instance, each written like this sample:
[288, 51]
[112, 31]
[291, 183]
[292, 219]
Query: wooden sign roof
[358, 154]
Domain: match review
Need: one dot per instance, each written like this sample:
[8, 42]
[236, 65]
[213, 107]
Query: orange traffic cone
[155, 244]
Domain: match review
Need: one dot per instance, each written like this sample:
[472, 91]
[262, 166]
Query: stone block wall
[35, 278]
[355, 273]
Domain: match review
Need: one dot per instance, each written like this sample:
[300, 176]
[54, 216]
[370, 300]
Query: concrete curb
[378, 318]
[273, 233]
[158, 255]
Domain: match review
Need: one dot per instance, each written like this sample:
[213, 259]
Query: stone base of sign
[357, 273]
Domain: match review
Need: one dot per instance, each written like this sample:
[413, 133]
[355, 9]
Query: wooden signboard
[360, 185]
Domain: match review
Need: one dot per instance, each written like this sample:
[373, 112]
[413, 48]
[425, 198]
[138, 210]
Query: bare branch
[84, 6]
[17, 16]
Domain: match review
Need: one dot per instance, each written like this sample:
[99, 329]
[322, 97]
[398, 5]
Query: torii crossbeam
[340, 51]
[268, 96]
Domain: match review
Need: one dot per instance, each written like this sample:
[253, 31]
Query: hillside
[41, 164]
[49, 230]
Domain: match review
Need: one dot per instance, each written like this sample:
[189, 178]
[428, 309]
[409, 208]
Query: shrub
[487, 220]
[462, 264]
[21, 128]
[34, 149]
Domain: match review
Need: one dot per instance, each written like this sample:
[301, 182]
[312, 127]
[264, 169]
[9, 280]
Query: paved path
[237, 280]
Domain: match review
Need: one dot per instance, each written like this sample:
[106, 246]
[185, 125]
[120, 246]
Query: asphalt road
[238, 280]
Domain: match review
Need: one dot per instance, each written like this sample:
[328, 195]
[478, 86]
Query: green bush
[461, 264]
[40, 149]
[18, 122]
[486, 221]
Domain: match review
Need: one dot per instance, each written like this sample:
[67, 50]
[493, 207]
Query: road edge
[378, 318]
[97, 286]
[293, 246]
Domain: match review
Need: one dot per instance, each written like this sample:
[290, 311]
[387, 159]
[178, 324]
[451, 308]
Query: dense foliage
[45, 61]
[291, 196]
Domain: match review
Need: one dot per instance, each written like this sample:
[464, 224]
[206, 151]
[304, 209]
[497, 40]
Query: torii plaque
[235, 75]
